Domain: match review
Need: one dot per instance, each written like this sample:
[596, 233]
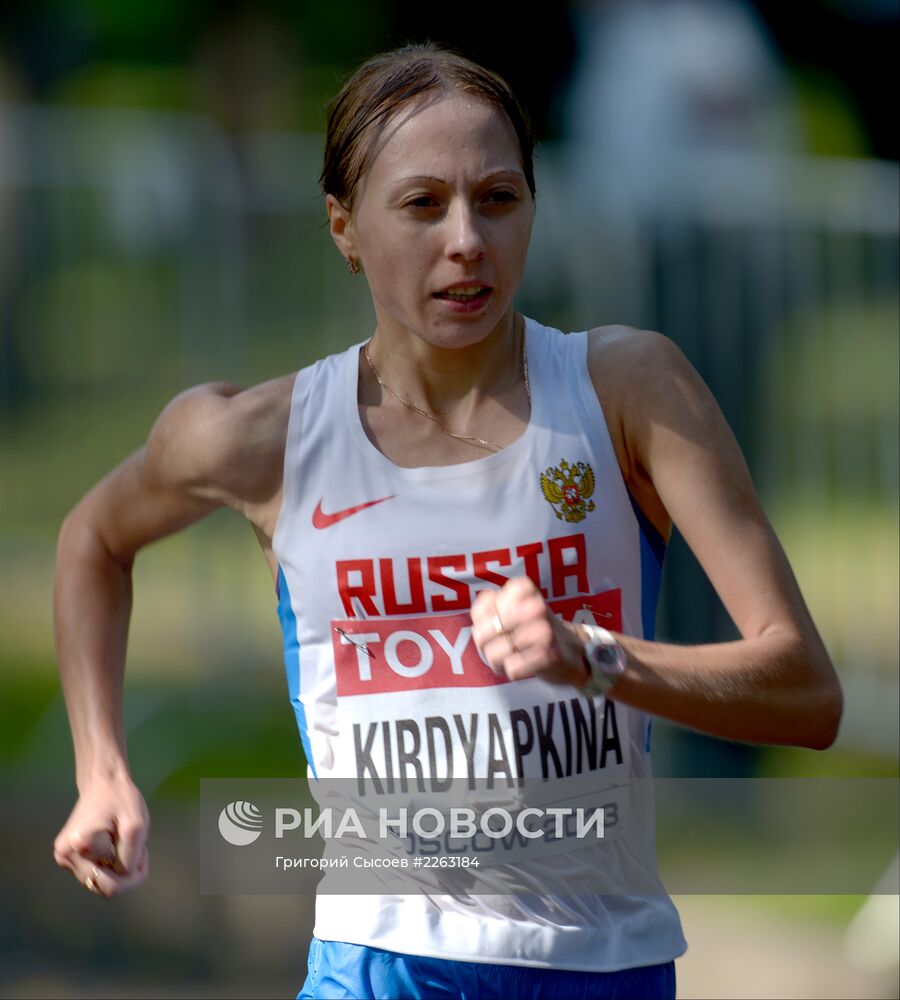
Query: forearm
[766, 689]
[92, 607]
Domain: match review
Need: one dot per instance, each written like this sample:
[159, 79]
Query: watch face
[605, 661]
[605, 658]
[605, 655]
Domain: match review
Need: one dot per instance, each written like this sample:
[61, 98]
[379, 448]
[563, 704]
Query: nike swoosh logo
[322, 520]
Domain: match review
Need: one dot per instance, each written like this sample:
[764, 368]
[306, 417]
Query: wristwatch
[604, 659]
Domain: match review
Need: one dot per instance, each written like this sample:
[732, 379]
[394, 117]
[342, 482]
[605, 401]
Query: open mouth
[473, 295]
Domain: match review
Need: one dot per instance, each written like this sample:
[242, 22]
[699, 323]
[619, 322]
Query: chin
[446, 331]
[465, 330]
[453, 340]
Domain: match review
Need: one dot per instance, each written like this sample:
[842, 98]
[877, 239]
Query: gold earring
[353, 265]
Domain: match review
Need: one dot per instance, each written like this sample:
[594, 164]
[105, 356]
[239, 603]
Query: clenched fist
[520, 636]
[103, 843]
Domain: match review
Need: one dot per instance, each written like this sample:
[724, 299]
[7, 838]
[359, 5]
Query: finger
[536, 634]
[526, 614]
[486, 622]
[130, 843]
[89, 877]
[523, 651]
[107, 883]
[492, 643]
[97, 847]
[526, 663]
[91, 842]
[496, 667]
[515, 590]
[62, 860]
[516, 603]
[496, 652]
[107, 856]
[511, 622]
[484, 605]
[483, 633]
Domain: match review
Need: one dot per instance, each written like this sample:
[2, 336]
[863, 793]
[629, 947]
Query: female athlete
[465, 517]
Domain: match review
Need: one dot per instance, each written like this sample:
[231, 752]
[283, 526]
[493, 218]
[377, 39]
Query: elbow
[69, 532]
[75, 522]
[828, 698]
[75, 533]
[831, 715]
[816, 697]
[80, 540]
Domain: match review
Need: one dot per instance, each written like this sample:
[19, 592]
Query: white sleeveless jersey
[393, 557]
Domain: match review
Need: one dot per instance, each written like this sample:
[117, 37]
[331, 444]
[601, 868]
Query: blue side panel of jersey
[653, 553]
[292, 661]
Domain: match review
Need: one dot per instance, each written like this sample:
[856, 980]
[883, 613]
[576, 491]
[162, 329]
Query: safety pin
[359, 645]
[603, 614]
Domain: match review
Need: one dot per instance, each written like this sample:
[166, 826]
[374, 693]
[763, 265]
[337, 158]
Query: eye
[423, 201]
[502, 196]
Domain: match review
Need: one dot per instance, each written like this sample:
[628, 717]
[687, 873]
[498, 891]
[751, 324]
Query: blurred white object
[659, 78]
[873, 937]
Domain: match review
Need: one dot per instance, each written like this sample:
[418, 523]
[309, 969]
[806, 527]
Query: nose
[465, 238]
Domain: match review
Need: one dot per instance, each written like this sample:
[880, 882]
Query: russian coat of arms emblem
[568, 489]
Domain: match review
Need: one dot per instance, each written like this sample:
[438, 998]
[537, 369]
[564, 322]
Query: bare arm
[195, 460]
[774, 685]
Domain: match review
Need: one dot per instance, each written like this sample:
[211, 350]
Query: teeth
[464, 293]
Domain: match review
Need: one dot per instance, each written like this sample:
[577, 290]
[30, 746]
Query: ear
[341, 226]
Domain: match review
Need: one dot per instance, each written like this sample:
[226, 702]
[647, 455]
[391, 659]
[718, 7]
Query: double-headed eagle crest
[568, 489]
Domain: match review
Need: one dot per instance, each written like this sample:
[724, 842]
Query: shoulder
[219, 441]
[629, 353]
[648, 390]
[618, 353]
[671, 430]
[642, 376]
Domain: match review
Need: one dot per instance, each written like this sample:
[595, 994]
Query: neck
[447, 379]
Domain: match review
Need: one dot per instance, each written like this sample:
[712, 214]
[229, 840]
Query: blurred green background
[160, 225]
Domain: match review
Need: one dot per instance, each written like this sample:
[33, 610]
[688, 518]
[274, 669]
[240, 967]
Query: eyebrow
[440, 180]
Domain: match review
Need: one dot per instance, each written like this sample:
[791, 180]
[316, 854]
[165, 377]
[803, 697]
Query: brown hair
[386, 82]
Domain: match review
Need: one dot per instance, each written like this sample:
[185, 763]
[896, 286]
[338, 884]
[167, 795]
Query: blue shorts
[353, 972]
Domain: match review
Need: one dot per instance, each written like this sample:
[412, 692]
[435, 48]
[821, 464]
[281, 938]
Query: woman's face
[444, 204]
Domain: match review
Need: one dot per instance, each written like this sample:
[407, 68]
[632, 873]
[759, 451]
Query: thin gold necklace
[430, 416]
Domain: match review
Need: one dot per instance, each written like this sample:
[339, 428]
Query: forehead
[447, 137]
